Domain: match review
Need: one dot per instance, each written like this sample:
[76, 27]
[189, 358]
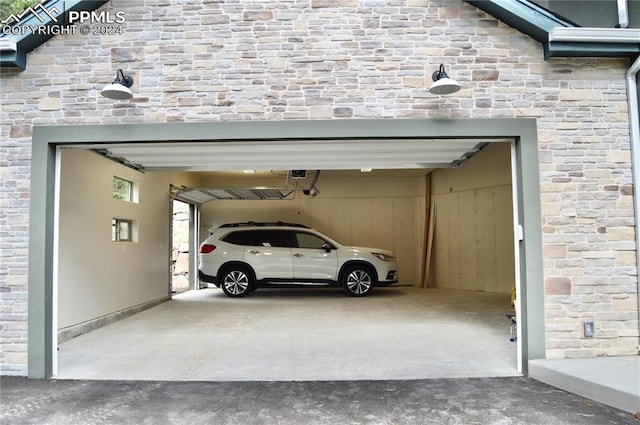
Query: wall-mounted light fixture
[119, 89]
[442, 84]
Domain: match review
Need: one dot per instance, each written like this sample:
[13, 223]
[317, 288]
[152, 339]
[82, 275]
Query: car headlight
[383, 257]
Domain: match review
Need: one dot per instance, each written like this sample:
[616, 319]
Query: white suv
[240, 257]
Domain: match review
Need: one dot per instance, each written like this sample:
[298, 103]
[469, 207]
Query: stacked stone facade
[323, 59]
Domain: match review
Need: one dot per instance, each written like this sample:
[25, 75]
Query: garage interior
[445, 208]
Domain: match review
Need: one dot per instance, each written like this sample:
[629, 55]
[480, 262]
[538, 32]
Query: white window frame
[133, 189]
[116, 230]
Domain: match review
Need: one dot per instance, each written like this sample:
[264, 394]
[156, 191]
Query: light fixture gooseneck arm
[125, 80]
[440, 73]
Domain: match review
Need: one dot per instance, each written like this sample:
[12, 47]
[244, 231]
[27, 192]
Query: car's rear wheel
[237, 281]
[358, 281]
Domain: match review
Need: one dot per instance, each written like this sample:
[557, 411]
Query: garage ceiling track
[310, 154]
[205, 194]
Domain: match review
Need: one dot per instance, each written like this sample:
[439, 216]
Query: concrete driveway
[486, 401]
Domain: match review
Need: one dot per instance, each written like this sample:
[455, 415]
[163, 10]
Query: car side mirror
[327, 247]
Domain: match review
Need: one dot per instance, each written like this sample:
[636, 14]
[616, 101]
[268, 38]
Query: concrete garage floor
[301, 335]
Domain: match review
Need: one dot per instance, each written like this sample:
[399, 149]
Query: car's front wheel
[358, 281]
[237, 281]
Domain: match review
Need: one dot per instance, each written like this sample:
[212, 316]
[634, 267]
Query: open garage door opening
[392, 208]
[445, 317]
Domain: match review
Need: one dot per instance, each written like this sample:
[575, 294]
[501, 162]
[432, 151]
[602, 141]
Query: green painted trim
[283, 130]
[41, 225]
[46, 138]
[13, 60]
[606, 50]
[531, 265]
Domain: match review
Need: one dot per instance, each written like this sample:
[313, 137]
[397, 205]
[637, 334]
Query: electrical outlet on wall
[589, 328]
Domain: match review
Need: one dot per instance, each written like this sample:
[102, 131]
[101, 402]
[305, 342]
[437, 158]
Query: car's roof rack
[263, 223]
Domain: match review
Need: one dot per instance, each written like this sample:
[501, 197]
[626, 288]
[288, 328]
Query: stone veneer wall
[329, 59]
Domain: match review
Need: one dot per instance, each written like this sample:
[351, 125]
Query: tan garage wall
[384, 212]
[98, 277]
[473, 238]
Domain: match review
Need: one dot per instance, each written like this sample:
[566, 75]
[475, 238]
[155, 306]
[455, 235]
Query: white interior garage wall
[381, 212]
[473, 238]
[98, 277]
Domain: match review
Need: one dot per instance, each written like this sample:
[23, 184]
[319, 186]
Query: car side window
[273, 238]
[309, 241]
[237, 238]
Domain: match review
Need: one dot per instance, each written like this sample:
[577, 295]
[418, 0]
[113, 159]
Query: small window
[122, 189]
[121, 230]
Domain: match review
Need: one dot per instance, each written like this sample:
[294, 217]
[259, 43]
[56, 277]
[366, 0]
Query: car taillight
[206, 248]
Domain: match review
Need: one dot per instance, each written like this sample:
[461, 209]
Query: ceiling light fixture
[442, 84]
[119, 89]
[313, 192]
[249, 171]
[365, 170]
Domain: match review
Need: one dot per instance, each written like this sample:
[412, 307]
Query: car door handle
[253, 251]
[298, 255]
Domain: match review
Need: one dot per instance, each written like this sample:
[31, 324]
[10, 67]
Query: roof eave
[537, 23]
[13, 60]
[574, 49]
[523, 16]
[28, 41]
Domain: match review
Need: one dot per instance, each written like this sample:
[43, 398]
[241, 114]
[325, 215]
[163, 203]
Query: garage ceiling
[338, 155]
[312, 154]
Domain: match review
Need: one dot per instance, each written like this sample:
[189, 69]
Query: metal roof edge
[538, 23]
[44, 15]
[591, 50]
[522, 15]
[596, 42]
